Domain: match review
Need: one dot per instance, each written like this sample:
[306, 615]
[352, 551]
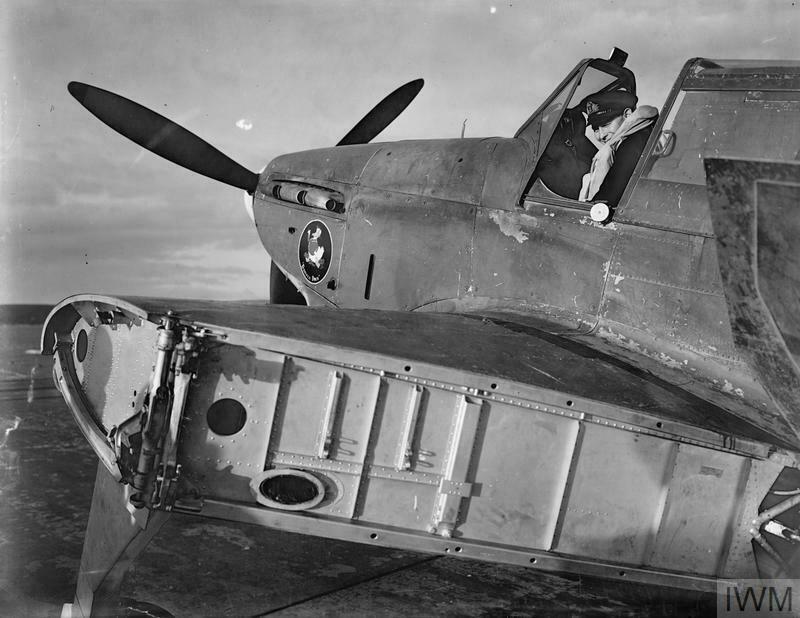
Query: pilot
[622, 129]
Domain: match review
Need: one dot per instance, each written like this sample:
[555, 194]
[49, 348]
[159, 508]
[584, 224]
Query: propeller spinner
[173, 142]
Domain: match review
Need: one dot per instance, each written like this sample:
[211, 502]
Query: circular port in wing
[287, 489]
[226, 417]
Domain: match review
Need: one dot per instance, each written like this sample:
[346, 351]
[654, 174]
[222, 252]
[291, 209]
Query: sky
[82, 209]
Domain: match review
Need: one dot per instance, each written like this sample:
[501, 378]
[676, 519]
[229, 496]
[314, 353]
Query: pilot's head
[607, 111]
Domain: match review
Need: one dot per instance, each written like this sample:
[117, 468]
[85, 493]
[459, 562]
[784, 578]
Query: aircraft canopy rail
[763, 75]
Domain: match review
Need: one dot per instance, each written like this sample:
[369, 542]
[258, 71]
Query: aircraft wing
[483, 351]
[426, 431]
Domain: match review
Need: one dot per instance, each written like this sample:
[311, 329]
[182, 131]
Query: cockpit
[557, 132]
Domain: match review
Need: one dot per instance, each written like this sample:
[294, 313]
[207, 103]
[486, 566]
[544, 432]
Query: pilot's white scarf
[643, 116]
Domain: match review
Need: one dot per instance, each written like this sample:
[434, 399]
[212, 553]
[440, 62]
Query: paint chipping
[8, 427]
[622, 341]
[509, 224]
[31, 389]
[589, 221]
[9, 458]
[618, 278]
[669, 361]
[727, 387]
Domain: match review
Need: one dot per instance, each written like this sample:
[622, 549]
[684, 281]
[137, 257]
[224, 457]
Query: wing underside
[430, 432]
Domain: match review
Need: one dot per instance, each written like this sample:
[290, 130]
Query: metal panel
[665, 284]
[393, 502]
[725, 124]
[342, 164]
[428, 438]
[222, 466]
[614, 503]
[450, 169]
[435, 418]
[769, 78]
[399, 400]
[454, 487]
[301, 407]
[115, 372]
[351, 431]
[341, 481]
[404, 274]
[521, 462]
[542, 255]
[740, 561]
[700, 506]
[676, 206]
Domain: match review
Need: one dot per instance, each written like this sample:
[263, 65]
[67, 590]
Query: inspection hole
[622, 573]
[407, 367]
[288, 489]
[494, 386]
[569, 402]
[373, 536]
[658, 424]
[81, 346]
[533, 560]
[226, 417]
[458, 550]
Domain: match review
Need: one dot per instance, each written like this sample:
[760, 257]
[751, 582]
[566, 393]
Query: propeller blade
[162, 136]
[382, 114]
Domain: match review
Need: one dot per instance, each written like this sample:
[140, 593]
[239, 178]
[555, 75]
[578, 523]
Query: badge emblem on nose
[314, 251]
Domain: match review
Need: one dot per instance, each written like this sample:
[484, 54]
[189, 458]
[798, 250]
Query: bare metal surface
[44, 509]
[622, 503]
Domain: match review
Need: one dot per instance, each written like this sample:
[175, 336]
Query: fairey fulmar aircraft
[460, 357]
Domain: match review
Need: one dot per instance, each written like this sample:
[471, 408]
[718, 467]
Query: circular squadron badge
[315, 251]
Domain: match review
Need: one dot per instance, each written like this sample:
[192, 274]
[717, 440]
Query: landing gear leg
[114, 538]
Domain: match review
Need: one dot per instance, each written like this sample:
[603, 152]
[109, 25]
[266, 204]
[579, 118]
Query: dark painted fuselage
[459, 225]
